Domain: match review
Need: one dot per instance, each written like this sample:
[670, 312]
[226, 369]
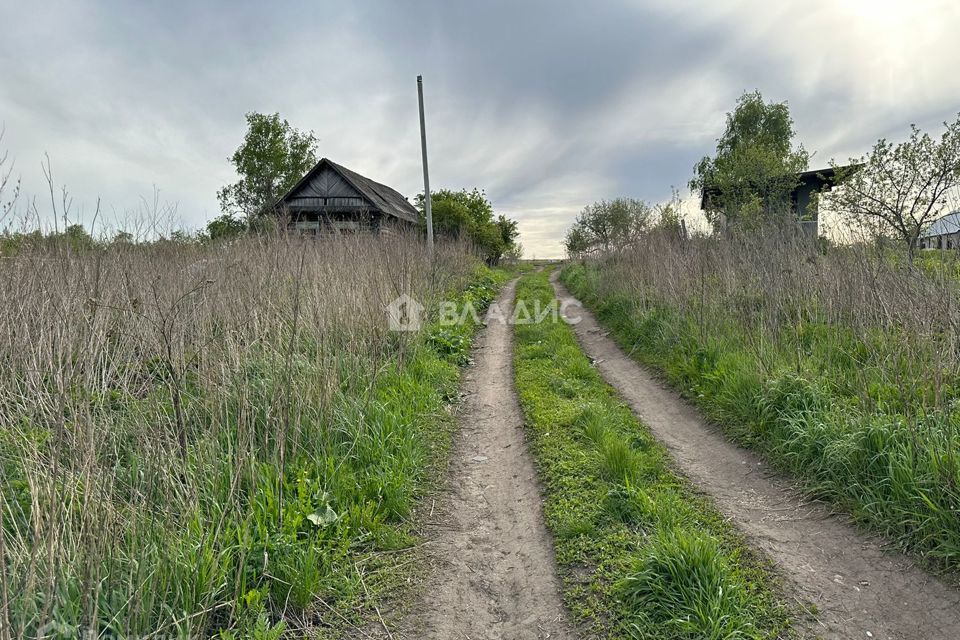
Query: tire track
[493, 572]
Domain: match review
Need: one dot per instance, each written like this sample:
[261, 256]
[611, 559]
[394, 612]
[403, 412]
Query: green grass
[939, 263]
[856, 417]
[641, 555]
[361, 503]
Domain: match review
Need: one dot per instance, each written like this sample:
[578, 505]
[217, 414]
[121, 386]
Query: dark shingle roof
[387, 200]
[383, 197]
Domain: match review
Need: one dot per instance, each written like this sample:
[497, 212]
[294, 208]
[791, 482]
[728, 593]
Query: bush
[468, 216]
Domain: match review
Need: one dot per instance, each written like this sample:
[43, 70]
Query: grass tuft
[619, 464]
[684, 585]
[594, 421]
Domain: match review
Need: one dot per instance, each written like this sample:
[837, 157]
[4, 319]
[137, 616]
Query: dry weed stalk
[143, 387]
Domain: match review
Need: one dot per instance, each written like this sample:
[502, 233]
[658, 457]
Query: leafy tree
[669, 216]
[225, 227]
[122, 237]
[469, 215]
[900, 189]
[13, 243]
[180, 236]
[272, 158]
[514, 253]
[577, 242]
[608, 226]
[451, 217]
[508, 233]
[76, 237]
[755, 166]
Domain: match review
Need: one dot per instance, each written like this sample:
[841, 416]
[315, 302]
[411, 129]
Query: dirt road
[493, 576]
[860, 590]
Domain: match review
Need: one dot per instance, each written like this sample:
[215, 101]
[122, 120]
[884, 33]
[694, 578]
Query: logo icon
[405, 314]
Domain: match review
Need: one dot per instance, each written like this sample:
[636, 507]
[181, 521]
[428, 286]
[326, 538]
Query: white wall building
[944, 233]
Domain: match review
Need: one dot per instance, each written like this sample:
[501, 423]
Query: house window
[939, 242]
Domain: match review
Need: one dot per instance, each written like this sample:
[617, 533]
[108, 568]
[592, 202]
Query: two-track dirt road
[493, 572]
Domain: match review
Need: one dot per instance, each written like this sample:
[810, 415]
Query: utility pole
[426, 174]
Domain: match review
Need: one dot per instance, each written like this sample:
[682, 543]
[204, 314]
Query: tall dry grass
[196, 439]
[842, 362]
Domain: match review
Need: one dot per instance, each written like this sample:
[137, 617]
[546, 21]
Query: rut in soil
[493, 574]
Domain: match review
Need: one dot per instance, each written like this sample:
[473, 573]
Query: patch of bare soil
[493, 574]
[860, 589]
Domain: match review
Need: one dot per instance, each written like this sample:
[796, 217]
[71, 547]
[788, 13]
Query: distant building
[943, 233]
[334, 199]
[802, 202]
[802, 197]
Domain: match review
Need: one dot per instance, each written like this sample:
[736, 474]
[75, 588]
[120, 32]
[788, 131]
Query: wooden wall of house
[326, 184]
[337, 222]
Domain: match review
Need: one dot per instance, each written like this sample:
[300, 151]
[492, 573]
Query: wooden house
[334, 199]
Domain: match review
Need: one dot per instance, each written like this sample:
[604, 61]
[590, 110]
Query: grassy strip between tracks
[640, 553]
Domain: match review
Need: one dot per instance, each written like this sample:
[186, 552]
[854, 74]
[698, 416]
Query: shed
[943, 233]
[802, 199]
[333, 199]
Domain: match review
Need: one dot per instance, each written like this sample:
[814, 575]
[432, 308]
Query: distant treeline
[76, 237]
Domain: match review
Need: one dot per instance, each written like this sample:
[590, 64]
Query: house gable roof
[383, 198]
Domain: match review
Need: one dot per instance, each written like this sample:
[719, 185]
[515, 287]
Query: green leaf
[325, 518]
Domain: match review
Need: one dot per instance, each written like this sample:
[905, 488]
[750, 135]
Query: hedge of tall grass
[202, 442]
[841, 364]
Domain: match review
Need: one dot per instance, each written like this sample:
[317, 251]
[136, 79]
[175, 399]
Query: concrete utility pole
[426, 173]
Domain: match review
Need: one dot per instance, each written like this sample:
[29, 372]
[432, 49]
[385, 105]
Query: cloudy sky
[546, 104]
